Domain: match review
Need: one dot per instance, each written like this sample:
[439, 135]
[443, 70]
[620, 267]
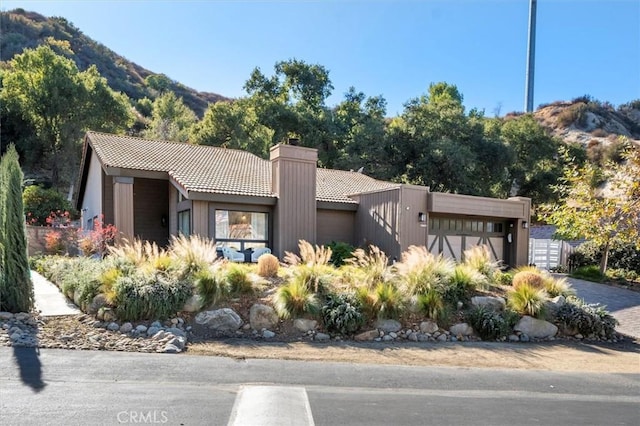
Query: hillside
[21, 29]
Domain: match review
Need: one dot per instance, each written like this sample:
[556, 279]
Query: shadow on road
[28, 361]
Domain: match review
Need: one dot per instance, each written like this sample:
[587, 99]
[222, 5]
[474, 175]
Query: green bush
[587, 319]
[504, 278]
[210, 286]
[342, 314]
[590, 273]
[527, 299]
[73, 274]
[385, 301]
[150, 296]
[238, 279]
[294, 299]
[340, 252]
[621, 256]
[463, 281]
[432, 305]
[489, 325]
[39, 203]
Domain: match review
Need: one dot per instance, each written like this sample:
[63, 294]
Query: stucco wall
[92, 200]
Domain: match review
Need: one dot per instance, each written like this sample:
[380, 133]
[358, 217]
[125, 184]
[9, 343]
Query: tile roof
[208, 169]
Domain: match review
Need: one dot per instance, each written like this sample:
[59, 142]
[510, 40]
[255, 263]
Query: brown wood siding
[296, 205]
[477, 206]
[377, 221]
[107, 198]
[173, 210]
[335, 225]
[200, 218]
[413, 200]
[151, 205]
[123, 206]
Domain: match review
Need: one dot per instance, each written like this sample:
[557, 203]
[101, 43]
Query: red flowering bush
[99, 239]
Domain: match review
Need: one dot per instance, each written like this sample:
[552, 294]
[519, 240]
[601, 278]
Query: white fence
[548, 254]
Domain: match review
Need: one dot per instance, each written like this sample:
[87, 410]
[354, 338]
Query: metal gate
[549, 254]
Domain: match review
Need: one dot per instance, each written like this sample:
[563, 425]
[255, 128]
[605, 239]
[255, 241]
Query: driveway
[623, 304]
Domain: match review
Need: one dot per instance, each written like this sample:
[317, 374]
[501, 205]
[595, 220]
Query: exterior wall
[92, 201]
[335, 225]
[200, 218]
[439, 202]
[520, 253]
[377, 221]
[294, 182]
[107, 199]
[173, 210]
[151, 209]
[123, 206]
[413, 200]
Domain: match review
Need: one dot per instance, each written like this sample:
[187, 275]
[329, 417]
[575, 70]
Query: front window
[184, 222]
[241, 230]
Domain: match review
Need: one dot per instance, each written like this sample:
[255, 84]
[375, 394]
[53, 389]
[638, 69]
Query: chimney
[293, 180]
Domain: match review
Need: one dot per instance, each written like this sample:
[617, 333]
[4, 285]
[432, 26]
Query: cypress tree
[17, 289]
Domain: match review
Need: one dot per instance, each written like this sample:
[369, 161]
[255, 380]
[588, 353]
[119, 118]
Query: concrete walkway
[49, 300]
[623, 304]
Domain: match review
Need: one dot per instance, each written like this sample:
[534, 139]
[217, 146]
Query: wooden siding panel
[335, 225]
[200, 218]
[477, 206]
[123, 206]
[173, 210]
[151, 205]
[377, 221]
[107, 199]
[411, 231]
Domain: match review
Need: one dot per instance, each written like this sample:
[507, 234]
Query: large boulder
[98, 302]
[304, 325]
[388, 325]
[367, 335]
[262, 316]
[496, 303]
[428, 327]
[225, 319]
[534, 327]
[461, 329]
[552, 306]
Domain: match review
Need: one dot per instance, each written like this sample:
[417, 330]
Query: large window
[241, 230]
[184, 222]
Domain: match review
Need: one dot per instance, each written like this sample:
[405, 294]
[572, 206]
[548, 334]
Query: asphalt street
[93, 388]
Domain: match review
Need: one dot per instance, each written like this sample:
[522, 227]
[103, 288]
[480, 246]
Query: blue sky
[392, 48]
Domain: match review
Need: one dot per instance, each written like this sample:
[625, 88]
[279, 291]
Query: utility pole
[531, 57]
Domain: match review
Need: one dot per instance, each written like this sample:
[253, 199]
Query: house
[153, 189]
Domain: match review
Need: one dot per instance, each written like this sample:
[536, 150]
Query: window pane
[236, 225]
[184, 222]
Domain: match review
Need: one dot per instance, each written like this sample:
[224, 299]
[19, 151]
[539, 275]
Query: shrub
[463, 281]
[309, 255]
[342, 314]
[621, 256]
[39, 203]
[557, 287]
[432, 304]
[372, 263]
[193, 252]
[99, 239]
[420, 270]
[53, 243]
[503, 278]
[479, 258]
[268, 266]
[340, 252]
[74, 274]
[489, 325]
[108, 279]
[527, 277]
[590, 273]
[150, 296]
[527, 299]
[209, 286]
[586, 319]
[238, 279]
[294, 299]
[384, 301]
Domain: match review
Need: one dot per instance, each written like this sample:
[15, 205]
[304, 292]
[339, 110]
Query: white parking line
[270, 406]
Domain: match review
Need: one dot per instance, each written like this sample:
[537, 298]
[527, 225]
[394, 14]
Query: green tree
[171, 119]
[601, 205]
[233, 125]
[16, 293]
[60, 103]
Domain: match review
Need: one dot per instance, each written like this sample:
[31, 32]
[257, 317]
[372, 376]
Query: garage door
[452, 236]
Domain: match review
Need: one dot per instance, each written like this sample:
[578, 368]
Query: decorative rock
[97, 324]
[461, 329]
[22, 316]
[268, 334]
[151, 331]
[113, 326]
[178, 342]
[98, 302]
[388, 325]
[176, 331]
[109, 315]
[126, 327]
[16, 335]
[141, 328]
[422, 337]
[552, 306]
[6, 315]
[225, 319]
[366, 336]
[393, 335]
[428, 327]
[193, 304]
[321, 337]
[442, 338]
[514, 338]
[159, 335]
[305, 325]
[537, 328]
[496, 303]
[579, 336]
[170, 349]
[524, 338]
[174, 321]
[387, 338]
[262, 316]
[156, 324]
[413, 337]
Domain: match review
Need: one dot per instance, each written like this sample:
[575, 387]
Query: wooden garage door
[452, 236]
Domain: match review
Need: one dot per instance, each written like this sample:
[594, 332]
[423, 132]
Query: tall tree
[16, 291]
[601, 205]
[171, 119]
[61, 103]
